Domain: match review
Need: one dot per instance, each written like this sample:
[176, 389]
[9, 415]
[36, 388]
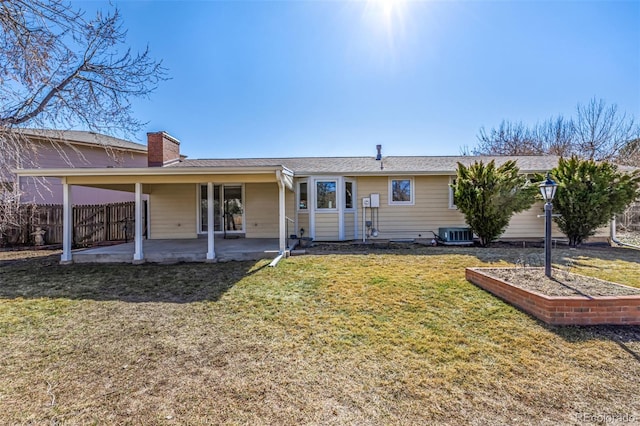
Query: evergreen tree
[488, 196]
[589, 195]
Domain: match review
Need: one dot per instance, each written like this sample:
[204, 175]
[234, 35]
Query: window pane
[452, 194]
[217, 216]
[326, 195]
[348, 195]
[302, 202]
[233, 208]
[401, 190]
[204, 208]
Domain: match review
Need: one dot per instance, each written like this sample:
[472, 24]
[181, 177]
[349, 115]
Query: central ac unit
[453, 236]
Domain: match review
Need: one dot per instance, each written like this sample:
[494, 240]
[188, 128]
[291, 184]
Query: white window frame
[298, 208]
[338, 193]
[452, 206]
[412, 200]
[200, 219]
[354, 195]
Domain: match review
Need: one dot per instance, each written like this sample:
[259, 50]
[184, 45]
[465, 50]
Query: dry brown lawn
[393, 337]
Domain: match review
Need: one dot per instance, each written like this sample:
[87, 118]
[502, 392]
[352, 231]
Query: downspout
[282, 220]
[615, 240]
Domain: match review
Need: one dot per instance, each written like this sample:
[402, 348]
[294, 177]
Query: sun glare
[389, 14]
[388, 7]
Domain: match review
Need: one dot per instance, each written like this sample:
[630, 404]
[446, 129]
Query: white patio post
[282, 213]
[67, 223]
[211, 253]
[138, 254]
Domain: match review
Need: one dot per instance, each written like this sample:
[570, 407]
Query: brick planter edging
[561, 310]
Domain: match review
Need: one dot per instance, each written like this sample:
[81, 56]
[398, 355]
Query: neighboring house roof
[83, 138]
[369, 165]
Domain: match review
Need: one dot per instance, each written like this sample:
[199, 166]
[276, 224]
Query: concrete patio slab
[173, 251]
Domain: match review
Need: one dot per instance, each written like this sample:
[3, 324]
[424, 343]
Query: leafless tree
[555, 136]
[601, 131]
[508, 139]
[60, 70]
[597, 132]
[629, 154]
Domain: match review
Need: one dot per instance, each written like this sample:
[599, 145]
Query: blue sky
[318, 78]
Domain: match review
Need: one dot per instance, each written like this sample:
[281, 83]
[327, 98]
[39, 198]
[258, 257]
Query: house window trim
[354, 194]
[199, 217]
[315, 195]
[412, 201]
[298, 208]
[452, 206]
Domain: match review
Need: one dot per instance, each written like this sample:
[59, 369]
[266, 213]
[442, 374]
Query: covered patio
[176, 213]
[182, 250]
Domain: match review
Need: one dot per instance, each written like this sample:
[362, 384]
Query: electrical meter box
[375, 200]
[366, 202]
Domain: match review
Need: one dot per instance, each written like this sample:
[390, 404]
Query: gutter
[149, 171]
[615, 240]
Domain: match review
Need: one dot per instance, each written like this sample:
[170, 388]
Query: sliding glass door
[228, 208]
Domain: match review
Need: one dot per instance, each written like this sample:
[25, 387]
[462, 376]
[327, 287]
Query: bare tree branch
[601, 131]
[597, 132]
[59, 70]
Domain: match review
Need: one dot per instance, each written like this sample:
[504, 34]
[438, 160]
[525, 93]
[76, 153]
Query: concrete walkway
[191, 250]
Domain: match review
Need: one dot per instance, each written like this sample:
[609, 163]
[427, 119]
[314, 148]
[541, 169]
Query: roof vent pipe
[379, 156]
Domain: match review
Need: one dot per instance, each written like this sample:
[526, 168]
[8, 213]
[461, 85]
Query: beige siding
[602, 233]
[349, 226]
[326, 225]
[172, 211]
[261, 210]
[303, 223]
[528, 225]
[429, 212]
[290, 201]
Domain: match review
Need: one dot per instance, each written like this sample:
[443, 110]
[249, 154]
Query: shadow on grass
[178, 283]
[627, 337]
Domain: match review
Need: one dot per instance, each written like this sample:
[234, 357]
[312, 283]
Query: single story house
[324, 198]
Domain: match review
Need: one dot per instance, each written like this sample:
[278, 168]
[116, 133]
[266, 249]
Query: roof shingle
[83, 137]
[369, 165]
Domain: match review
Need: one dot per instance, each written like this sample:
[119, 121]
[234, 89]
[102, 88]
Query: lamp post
[548, 191]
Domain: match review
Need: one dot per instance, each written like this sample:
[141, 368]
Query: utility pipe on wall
[613, 235]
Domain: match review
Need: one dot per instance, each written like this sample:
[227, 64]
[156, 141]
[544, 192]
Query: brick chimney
[162, 149]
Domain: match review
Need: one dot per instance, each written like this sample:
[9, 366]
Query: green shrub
[589, 195]
[488, 196]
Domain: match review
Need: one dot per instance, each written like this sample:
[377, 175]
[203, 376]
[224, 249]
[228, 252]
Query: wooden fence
[92, 224]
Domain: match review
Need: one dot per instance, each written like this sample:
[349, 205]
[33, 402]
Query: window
[303, 203]
[228, 208]
[401, 191]
[348, 195]
[326, 194]
[452, 204]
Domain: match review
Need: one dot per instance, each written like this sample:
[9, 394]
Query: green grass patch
[385, 338]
